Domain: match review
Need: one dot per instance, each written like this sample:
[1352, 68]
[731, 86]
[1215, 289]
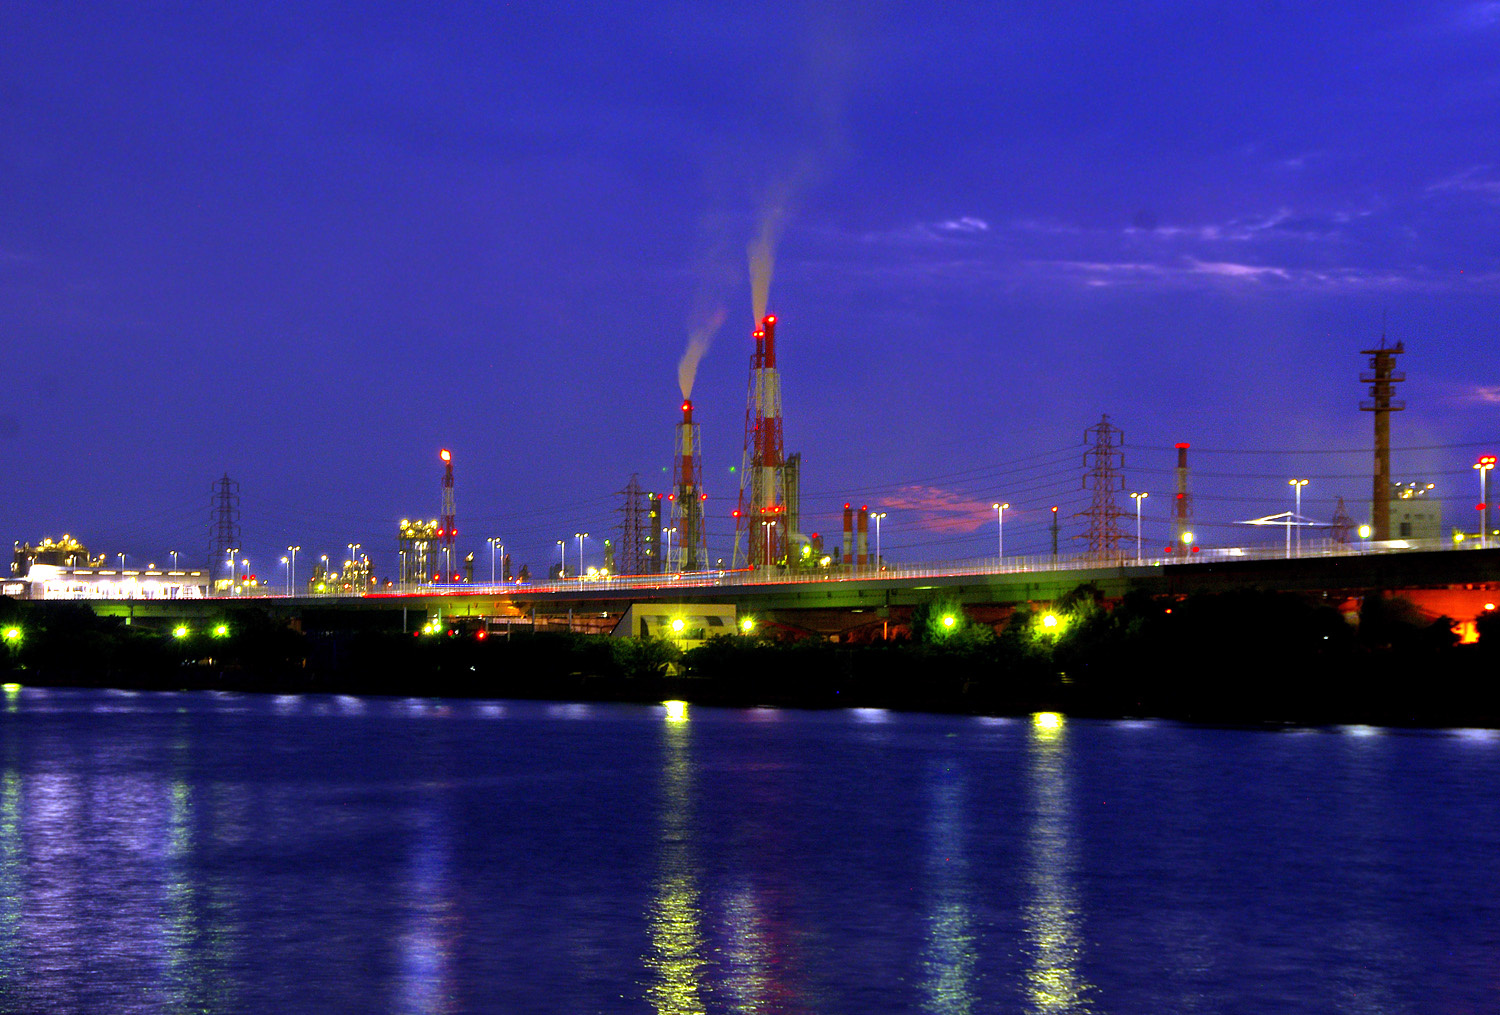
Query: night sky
[311, 244]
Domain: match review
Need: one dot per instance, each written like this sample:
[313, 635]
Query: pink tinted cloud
[938, 509]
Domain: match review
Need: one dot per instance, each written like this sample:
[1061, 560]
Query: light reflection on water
[950, 956]
[1054, 937]
[675, 915]
[318, 855]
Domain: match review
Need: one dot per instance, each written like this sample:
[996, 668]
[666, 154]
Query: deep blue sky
[311, 246]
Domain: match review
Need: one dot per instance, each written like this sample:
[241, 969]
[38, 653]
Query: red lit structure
[688, 495]
[761, 517]
[448, 527]
[1182, 509]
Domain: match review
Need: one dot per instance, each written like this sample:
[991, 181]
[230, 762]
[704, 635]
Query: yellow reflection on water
[675, 917]
[1054, 941]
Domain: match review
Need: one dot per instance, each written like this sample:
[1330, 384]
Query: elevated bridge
[1440, 579]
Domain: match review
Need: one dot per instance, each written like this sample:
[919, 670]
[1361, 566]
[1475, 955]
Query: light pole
[669, 533]
[122, 564]
[876, 519]
[1484, 465]
[291, 576]
[245, 563]
[174, 559]
[288, 562]
[1297, 485]
[1138, 498]
[562, 559]
[767, 544]
[580, 536]
[492, 541]
[1000, 533]
[232, 551]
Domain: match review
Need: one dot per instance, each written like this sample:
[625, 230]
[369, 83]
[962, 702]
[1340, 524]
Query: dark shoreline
[1256, 659]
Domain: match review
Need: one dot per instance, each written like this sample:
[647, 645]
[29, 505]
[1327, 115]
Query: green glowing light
[1050, 620]
[949, 620]
[12, 634]
[221, 631]
[179, 632]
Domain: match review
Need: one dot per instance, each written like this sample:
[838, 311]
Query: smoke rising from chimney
[699, 339]
[762, 252]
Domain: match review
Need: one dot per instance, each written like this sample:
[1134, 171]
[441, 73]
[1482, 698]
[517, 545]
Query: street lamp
[122, 563]
[1484, 465]
[767, 543]
[1000, 532]
[232, 550]
[669, 533]
[1138, 498]
[580, 536]
[492, 541]
[288, 562]
[245, 563]
[291, 575]
[562, 558]
[1297, 485]
[174, 559]
[876, 518]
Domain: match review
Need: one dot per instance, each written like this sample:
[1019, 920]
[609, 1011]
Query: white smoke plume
[699, 339]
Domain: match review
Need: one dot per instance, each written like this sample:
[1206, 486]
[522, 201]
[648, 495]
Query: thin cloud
[1488, 394]
[946, 231]
[1474, 180]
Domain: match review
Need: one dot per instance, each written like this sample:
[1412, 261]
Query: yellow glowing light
[1047, 720]
[1489, 606]
[677, 626]
[12, 690]
[12, 634]
[179, 632]
[221, 630]
[677, 711]
[1187, 537]
[949, 621]
[1050, 620]
[747, 625]
[1364, 532]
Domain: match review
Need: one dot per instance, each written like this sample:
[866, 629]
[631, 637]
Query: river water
[235, 853]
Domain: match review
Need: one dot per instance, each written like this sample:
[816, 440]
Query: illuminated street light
[1297, 485]
[1139, 498]
[232, 551]
[747, 625]
[580, 536]
[876, 518]
[179, 632]
[288, 562]
[1485, 464]
[669, 533]
[562, 558]
[292, 574]
[122, 563]
[494, 541]
[766, 526]
[12, 634]
[174, 559]
[1364, 531]
[1000, 530]
[221, 631]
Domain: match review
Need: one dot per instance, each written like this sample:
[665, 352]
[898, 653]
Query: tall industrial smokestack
[688, 495]
[1182, 507]
[1382, 379]
[448, 527]
[762, 510]
[848, 535]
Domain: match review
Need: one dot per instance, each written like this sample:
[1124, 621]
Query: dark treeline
[1237, 657]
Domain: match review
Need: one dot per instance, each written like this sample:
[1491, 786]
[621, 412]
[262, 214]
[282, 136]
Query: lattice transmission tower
[224, 521]
[1103, 461]
[634, 555]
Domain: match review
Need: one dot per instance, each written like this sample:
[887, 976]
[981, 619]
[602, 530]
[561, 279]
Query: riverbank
[1240, 658]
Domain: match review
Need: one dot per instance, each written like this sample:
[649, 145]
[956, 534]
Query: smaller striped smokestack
[848, 535]
[687, 499]
[862, 551]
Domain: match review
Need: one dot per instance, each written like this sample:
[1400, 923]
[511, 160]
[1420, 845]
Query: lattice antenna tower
[760, 521]
[1103, 461]
[633, 557]
[224, 519]
[1343, 525]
